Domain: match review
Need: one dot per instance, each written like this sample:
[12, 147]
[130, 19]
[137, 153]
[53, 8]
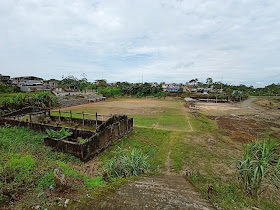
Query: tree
[209, 81]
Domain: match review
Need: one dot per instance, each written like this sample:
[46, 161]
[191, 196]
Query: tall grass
[126, 163]
[258, 163]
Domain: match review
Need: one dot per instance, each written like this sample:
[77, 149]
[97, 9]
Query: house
[5, 79]
[26, 81]
[29, 83]
[171, 87]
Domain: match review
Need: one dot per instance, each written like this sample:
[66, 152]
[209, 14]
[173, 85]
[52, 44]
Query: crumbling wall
[77, 120]
[108, 132]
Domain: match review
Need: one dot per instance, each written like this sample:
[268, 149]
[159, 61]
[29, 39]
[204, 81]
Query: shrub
[62, 134]
[124, 164]
[258, 163]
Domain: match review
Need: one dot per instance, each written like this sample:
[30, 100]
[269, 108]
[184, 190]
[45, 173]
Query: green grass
[27, 165]
[205, 152]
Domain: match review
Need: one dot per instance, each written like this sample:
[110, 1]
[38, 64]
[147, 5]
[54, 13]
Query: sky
[233, 41]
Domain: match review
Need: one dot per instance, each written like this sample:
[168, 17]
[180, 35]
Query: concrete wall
[108, 132]
[77, 120]
[114, 129]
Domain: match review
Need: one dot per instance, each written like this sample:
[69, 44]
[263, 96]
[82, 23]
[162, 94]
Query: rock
[66, 202]
[59, 179]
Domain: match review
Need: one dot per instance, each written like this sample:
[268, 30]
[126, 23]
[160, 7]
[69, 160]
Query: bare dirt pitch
[245, 121]
[147, 113]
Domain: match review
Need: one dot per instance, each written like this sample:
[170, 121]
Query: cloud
[163, 39]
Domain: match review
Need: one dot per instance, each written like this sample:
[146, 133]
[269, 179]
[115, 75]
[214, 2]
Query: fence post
[59, 116]
[30, 118]
[96, 119]
[49, 113]
[83, 118]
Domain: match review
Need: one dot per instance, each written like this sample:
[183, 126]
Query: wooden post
[83, 118]
[70, 115]
[96, 119]
[59, 115]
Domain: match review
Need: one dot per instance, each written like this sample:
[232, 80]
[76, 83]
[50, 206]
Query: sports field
[147, 113]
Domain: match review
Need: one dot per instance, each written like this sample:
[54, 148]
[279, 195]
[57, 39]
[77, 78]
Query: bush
[62, 134]
[259, 163]
[129, 163]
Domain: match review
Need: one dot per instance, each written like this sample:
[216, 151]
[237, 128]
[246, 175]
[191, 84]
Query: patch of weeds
[46, 180]
[17, 173]
[89, 182]
[127, 163]
[202, 123]
[93, 182]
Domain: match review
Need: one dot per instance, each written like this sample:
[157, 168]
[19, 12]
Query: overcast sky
[236, 41]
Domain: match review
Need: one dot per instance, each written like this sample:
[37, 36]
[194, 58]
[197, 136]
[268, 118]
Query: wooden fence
[96, 116]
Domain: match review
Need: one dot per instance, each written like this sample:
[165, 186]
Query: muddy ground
[245, 121]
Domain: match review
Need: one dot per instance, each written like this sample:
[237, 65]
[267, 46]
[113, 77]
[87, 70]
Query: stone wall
[72, 102]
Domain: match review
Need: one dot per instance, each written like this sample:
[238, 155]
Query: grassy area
[272, 102]
[27, 169]
[205, 152]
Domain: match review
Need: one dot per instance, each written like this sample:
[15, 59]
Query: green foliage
[81, 141]
[93, 182]
[16, 172]
[61, 134]
[46, 180]
[139, 89]
[8, 88]
[41, 99]
[109, 91]
[257, 165]
[89, 182]
[127, 163]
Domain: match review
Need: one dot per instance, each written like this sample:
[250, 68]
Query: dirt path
[164, 129]
[247, 104]
[154, 192]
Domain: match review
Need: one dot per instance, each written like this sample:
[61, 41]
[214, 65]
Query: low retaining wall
[110, 131]
[77, 120]
[72, 102]
[42, 128]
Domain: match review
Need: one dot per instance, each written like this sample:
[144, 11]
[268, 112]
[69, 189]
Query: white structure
[29, 83]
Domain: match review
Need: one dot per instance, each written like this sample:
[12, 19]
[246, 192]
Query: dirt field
[245, 121]
[159, 114]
